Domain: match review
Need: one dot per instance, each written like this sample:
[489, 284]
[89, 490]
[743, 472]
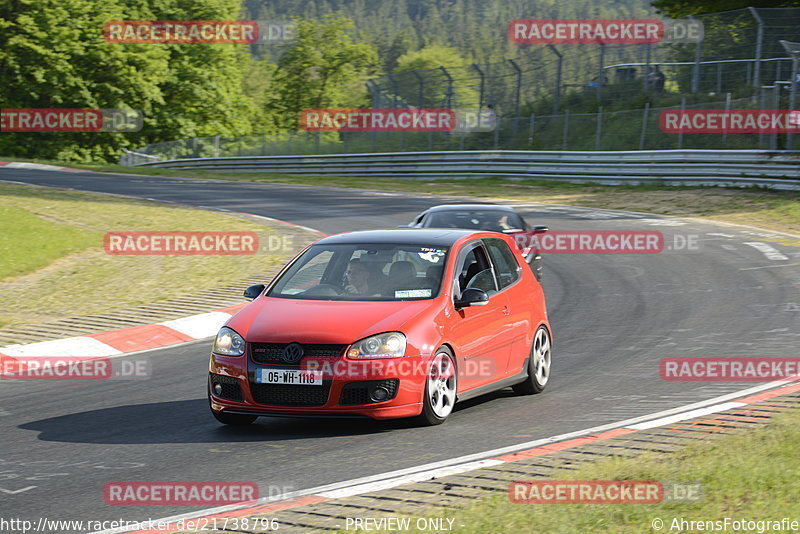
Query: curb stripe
[378, 484]
[136, 338]
[561, 445]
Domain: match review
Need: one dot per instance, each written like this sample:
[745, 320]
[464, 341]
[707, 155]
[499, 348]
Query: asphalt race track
[614, 318]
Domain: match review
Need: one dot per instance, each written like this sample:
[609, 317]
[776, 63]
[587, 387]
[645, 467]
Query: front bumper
[346, 391]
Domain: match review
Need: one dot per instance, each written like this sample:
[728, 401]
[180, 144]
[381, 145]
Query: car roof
[441, 237]
[470, 207]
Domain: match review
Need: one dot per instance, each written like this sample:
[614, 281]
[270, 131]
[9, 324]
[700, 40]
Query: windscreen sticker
[412, 293]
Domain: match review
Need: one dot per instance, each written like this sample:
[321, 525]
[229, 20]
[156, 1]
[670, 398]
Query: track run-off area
[614, 317]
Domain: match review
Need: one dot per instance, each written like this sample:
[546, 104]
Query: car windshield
[363, 272]
[490, 220]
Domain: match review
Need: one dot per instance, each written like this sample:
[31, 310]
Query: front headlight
[228, 343]
[388, 345]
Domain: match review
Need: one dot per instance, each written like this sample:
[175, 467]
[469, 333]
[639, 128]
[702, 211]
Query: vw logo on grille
[292, 353]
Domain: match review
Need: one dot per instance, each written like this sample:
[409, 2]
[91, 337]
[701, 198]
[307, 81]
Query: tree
[324, 68]
[53, 55]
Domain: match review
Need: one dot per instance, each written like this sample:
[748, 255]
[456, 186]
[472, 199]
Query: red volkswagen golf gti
[384, 324]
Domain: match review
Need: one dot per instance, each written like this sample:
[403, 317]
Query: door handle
[506, 311]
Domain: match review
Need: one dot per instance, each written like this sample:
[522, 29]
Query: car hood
[278, 320]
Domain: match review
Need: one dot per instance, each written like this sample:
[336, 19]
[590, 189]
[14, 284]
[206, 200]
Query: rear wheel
[538, 364]
[440, 389]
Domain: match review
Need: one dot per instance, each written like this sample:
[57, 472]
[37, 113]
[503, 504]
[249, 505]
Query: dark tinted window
[489, 220]
[505, 264]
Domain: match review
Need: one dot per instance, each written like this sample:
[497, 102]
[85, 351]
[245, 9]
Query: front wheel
[538, 364]
[440, 389]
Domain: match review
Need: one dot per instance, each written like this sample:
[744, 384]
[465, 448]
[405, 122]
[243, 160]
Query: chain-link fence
[740, 51]
[570, 96]
[636, 129]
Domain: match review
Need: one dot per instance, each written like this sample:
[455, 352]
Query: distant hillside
[477, 28]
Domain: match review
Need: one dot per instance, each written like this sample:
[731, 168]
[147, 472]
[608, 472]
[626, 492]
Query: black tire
[429, 417]
[536, 381]
[232, 419]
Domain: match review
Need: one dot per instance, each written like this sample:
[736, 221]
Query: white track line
[471, 462]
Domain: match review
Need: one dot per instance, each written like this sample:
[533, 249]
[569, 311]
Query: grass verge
[53, 263]
[775, 210]
[750, 476]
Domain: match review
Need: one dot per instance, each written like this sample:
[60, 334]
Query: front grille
[291, 395]
[358, 392]
[231, 389]
[273, 352]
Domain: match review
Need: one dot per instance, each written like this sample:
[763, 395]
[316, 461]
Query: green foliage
[324, 68]
[53, 55]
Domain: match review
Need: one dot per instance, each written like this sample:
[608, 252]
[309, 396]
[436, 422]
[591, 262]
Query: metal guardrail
[730, 168]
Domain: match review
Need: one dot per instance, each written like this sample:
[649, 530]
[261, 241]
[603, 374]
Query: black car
[487, 217]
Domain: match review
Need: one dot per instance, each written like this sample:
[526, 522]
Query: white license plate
[295, 377]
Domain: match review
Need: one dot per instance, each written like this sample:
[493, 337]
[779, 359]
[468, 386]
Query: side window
[505, 264]
[475, 270]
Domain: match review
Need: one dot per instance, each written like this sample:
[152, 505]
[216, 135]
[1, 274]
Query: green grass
[747, 476]
[34, 242]
[53, 263]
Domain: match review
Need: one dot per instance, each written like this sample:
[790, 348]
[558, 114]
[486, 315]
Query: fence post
[646, 71]
[759, 47]
[793, 98]
[762, 104]
[727, 109]
[680, 134]
[696, 68]
[449, 87]
[793, 49]
[517, 89]
[645, 118]
[532, 128]
[483, 81]
[395, 90]
[599, 130]
[421, 92]
[601, 72]
[565, 131]
[557, 99]
[498, 122]
[216, 146]
[776, 102]
[316, 141]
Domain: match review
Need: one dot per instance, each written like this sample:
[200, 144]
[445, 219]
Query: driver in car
[356, 278]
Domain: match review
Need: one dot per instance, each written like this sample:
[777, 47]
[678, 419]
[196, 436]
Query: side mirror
[472, 297]
[540, 229]
[254, 291]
